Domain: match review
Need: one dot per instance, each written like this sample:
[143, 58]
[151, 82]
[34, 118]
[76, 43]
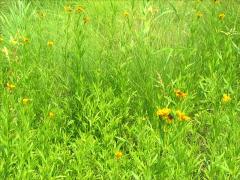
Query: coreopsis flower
[164, 112]
[182, 116]
[86, 19]
[25, 101]
[221, 16]
[226, 98]
[50, 43]
[79, 9]
[1, 39]
[41, 14]
[169, 118]
[118, 154]
[13, 41]
[180, 94]
[68, 9]
[125, 14]
[51, 115]
[25, 40]
[199, 14]
[10, 86]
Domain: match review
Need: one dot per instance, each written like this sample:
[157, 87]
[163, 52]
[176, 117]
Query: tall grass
[80, 91]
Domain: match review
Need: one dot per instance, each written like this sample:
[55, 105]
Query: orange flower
[182, 116]
[169, 119]
[164, 112]
[180, 94]
[79, 9]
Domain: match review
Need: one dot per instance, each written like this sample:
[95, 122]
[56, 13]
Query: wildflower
[25, 40]
[79, 9]
[50, 43]
[5, 51]
[182, 116]
[169, 119]
[199, 14]
[163, 112]
[68, 9]
[221, 16]
[25, 101]
[86, 19]
[118, 154]
[51, 115]
[13, 41]
[226, 98]
[1, 39]
[180, 94]
[10, 86]
[125, 14]
[41, 14]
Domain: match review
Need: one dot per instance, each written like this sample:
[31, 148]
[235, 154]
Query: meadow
[119, 89]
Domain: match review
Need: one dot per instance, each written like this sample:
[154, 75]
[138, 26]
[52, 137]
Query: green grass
[104, 80]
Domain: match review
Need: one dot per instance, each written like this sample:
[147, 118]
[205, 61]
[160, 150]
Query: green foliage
[83, 80]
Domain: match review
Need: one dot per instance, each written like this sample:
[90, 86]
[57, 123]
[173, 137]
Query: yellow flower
[118, 154]
[5, 51]
[79, 9]
[221, 16]
[25, 40]
[169, 119]
[10, 86]
[68, 9]
[182, 116]
[1, 39]
[51, 115]
[199, 14]
[13, 41]
[50, 43]
[216, 1]
[86, 19]
[125, 14]
[41, 14]
[226, 98]
[180, 94]
[25, 101]
[163, 112]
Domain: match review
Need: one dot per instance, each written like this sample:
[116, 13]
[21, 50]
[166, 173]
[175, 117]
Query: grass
[97, 94]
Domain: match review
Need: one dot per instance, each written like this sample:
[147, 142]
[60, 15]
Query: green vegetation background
[95, 89]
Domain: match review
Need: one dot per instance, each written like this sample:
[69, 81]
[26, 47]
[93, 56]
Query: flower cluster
[168, 115]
